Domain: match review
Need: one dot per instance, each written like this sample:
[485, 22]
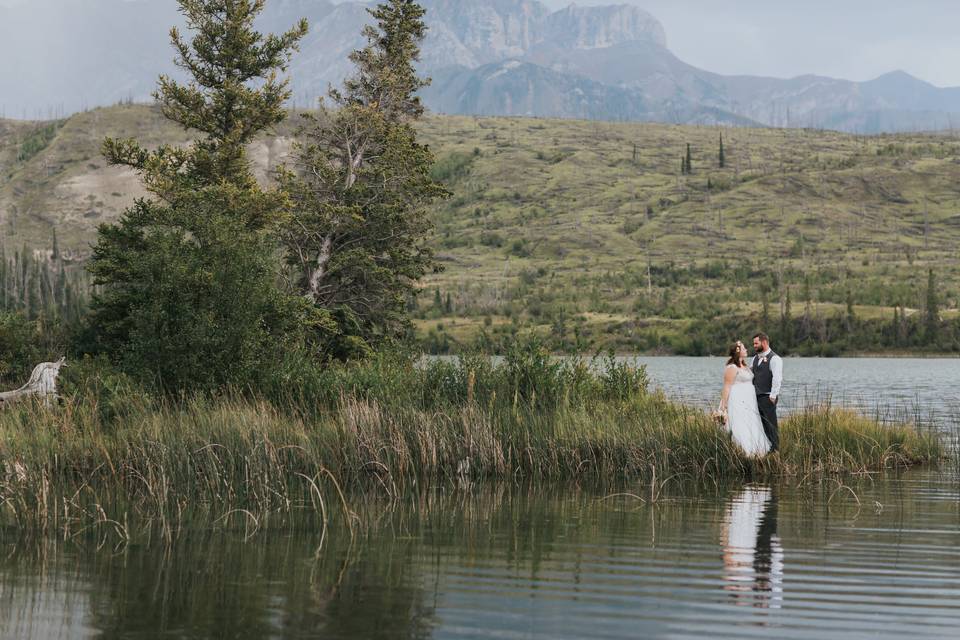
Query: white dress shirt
[776, 368]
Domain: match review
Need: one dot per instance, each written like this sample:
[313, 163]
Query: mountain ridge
[608, 62]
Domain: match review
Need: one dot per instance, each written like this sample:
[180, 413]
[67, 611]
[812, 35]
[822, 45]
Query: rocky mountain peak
[603, 26]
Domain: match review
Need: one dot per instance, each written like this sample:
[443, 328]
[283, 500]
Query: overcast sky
[851, 39]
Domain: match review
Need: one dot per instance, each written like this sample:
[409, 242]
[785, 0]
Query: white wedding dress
[752, 552]
[743, 417]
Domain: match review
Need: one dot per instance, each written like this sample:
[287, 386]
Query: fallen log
[42, 383]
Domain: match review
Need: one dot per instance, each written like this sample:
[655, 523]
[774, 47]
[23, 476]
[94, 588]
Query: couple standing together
[750, 393]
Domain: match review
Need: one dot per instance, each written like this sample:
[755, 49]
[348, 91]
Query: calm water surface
[928, 388]
[741, 561]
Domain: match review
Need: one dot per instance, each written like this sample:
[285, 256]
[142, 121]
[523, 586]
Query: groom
[767, 378]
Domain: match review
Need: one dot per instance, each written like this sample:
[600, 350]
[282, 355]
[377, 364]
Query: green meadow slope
[588, 232]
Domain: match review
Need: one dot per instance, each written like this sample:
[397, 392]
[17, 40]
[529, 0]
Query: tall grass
[385, 425]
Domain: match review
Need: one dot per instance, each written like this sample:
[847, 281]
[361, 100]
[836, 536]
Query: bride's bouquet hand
[720, 416]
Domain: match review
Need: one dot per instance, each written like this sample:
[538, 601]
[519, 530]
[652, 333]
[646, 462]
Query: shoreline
[64, 471]
[113, 454]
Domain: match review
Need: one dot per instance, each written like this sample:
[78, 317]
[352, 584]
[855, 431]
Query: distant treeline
[40, 286]
[699, 309]
[43, 300]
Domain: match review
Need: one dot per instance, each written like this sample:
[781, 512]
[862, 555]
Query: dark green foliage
[452, 167]
[42, 304]
[94, 382]
[721, 156]
[190, 293]
[529, 375]
[932, 308]
[786, 321]
[689, 159]
[23, 345]
[696, 308]
[358, 238]
[851, 314]
[41, 289]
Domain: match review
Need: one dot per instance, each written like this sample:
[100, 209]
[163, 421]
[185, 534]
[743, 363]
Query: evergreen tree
[559, 328]
[902, 328]
[786, 322]
[34, 305]
[56, 246]
[851, 315]
[59, 293]
[895, 329]
[188, 278]
[689, 160]
[722, 156]
[46, 290]
[26, 258]
[932, 311]
[357, 239]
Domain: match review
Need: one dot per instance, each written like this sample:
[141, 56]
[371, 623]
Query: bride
[738, 402]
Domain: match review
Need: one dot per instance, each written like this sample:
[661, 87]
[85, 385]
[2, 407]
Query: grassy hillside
[588, 232]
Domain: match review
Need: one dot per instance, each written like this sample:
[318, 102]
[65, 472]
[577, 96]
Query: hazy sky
[851, 39]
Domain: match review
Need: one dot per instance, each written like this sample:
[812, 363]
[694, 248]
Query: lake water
[509, 562]
[888, 387]
[875, 557]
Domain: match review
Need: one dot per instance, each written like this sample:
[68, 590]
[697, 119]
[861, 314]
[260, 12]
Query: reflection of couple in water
[752, 555]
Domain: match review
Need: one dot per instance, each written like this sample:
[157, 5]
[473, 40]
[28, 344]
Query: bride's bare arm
[729, 374]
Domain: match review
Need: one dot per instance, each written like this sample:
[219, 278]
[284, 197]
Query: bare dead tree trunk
[317, 273]
[42, 383]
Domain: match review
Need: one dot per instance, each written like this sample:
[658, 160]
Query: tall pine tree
[189, 293]
[932, 310]
[786, 322]
[358, 237]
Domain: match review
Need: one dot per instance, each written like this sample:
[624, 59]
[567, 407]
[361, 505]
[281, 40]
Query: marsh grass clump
[830, 439]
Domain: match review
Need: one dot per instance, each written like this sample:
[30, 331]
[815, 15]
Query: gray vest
[762, 375]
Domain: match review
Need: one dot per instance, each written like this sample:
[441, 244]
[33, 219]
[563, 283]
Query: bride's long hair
[735, 357]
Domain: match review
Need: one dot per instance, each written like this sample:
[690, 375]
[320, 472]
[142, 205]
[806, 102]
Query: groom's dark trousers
[768, 416]
[763, 383]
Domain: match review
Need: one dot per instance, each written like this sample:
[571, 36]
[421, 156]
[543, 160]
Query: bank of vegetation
[113, 456]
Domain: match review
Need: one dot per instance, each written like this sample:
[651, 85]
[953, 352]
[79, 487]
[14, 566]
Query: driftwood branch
[42, 383]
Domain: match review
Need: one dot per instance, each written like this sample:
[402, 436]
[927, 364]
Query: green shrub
[453, 166]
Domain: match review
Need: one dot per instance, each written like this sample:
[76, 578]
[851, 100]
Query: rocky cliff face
[491, 30]
[598, 27]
